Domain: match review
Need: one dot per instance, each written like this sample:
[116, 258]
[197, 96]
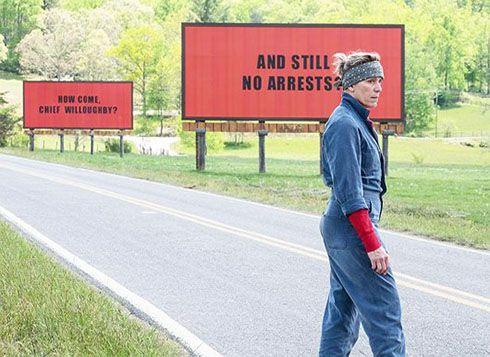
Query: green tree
[49, 4]
[130, 13]
[138, 53]
[165, 10]
[164, 91]
[53, 50]
[76, 5]
[210, 11]
[8, 120]
[3, 50]
[17, 18]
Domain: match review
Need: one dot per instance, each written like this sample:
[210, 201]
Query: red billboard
[78, 105]
[281, 72]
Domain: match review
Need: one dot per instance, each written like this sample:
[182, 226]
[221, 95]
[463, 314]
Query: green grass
[442, 194]
[46, 310]
[464, 120]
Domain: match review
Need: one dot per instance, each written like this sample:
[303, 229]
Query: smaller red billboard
[78, 105]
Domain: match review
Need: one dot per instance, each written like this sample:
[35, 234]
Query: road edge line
[159, 317]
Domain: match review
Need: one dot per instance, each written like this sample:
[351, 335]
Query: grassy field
[46, 310]
[436, 188]
[464, 120]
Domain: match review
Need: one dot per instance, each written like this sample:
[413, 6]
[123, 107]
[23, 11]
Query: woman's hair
[343, 62]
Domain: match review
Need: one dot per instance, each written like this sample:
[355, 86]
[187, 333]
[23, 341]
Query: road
[244, 278]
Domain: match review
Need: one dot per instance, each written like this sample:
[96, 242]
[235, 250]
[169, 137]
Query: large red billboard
[78, 105]
[281, 72]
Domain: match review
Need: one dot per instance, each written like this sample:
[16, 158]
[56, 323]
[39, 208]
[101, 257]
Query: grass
[442, 194]
[46, 310]
[463, 120]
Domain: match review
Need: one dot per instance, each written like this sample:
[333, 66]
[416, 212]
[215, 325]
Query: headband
[361, 72]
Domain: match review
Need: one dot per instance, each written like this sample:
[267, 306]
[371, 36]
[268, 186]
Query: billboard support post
[91, 141]
[200, 149]
[262, 134]
[62, 141]
[386, 135]
[31, 140]
[320, 134]
[121, 144]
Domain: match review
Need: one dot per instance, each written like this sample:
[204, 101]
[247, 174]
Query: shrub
[19, 139]
[448, 98]
[8, 121]
[112, 145]
[232, 145]
[214, 141]
[420, 112]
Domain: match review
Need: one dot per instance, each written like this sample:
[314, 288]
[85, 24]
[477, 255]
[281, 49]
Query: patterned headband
[361, 72]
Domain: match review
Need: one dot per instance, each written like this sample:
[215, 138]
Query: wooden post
[31, 140]
[62, 141]
[321, 144]
[262, 135]
[121, 144]
[200, 146]
[321, 129]
[92, 141]
[386, 134]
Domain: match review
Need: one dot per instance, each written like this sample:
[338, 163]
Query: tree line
[447, 41]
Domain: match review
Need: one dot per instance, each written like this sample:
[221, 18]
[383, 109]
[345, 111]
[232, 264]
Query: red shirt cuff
[365, 230]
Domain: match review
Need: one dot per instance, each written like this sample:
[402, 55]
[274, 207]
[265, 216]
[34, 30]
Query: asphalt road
[247, 279]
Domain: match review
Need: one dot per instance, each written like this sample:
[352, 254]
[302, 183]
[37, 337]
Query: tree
[3, 50]
[165, 10]
[209, 11]
[49, 4]
[17, 18]
[94, 64]
[54, 50]
[130, 13]
[76, 5]
[138, 53]
[8, 121]
[164, 91]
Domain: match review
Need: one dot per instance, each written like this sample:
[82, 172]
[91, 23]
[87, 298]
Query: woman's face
[367, 92]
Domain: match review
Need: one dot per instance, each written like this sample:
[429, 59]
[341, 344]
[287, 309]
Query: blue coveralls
[353, 168]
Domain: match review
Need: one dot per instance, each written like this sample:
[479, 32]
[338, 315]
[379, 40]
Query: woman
[362, 287]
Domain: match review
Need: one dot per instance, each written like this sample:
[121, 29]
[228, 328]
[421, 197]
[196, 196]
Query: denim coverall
[353, 168]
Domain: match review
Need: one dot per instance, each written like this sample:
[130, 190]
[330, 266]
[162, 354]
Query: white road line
[187, 338]
[403, 235]
[455, 295]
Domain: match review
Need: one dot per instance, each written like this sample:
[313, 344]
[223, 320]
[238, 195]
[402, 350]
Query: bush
[233, 145]
[144, 126]
[8, 121]
[19, 139]
[214, 141]
[112, 145]
[448, 98]
[420, 112]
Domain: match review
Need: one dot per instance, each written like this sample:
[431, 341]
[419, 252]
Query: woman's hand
[380, 260]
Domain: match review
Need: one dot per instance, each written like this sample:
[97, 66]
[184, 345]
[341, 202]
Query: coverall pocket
[336, 232]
